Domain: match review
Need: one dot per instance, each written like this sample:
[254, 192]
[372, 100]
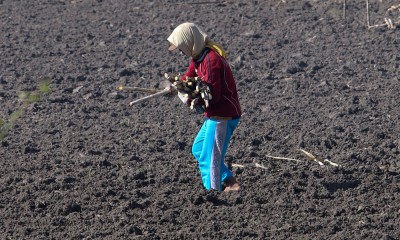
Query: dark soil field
[77, 162]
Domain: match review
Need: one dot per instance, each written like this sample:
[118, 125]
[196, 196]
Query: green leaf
[44, 85]
[6, 127]
[2, 135]
[23, 95]
[15, 115]
[34, 97]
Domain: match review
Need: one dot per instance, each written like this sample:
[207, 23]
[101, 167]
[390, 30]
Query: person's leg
[218, 170]
[231, 126]
[209, 148]
[230, 182]
[198, 141]
[202, 150]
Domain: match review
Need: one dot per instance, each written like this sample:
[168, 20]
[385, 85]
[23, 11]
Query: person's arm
[190, 72]
[212, 76]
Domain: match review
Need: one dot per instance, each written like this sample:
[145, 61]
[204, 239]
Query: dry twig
[311, 157]
[162, 92]
[308, 155]
[260, 166]
[198, 3]
[368, 22]
[331, 163]
[283, 158]
[138, 89]
[257, 165]
[237, 165]
[389, 23]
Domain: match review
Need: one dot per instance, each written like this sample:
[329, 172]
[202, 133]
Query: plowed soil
[80, 163]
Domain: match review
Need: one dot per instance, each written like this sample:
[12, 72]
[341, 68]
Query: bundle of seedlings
[193, 88]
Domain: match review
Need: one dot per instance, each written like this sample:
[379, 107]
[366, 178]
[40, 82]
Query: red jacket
[216, 72]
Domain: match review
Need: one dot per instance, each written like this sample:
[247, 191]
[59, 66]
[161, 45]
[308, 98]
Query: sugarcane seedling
[173, 78]
[193, 103]
[206, 103]
[389, 23]
[194, 87]
[197, 90]
[186, 88]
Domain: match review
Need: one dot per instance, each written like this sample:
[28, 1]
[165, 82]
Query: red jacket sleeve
[190, 72]
[212, 76]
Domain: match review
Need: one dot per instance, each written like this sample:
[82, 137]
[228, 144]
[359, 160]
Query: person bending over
[222, 115]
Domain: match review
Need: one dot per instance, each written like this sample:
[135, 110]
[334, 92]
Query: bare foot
[231, 185]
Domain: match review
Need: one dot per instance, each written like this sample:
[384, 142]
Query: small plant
[16, 114]
[44, 86]
[127, 122]
[2, 134]
[6, 126]
[32, 97]
[25, 97]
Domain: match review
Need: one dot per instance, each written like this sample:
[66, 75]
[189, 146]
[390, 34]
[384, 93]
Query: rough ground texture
[81, 164]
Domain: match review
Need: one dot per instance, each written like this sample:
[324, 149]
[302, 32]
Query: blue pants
[209, 148]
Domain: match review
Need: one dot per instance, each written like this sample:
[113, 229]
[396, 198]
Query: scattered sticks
[389, 23]
[308, 155]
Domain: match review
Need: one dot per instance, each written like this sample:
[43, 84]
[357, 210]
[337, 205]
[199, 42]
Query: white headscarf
[189, 38]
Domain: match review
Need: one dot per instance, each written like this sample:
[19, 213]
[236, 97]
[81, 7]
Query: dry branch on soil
[389, 23]
[283, 158]
[260, 166]
[313, 158]
[257, 165]
[160, 93]
[198, 3]
[138, 89]
[309, 156]
[237, 165]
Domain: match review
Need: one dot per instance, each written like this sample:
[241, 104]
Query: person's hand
[183, 97]
[172, 90]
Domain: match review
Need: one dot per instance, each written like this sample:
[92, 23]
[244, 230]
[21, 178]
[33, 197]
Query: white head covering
[189, 38]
